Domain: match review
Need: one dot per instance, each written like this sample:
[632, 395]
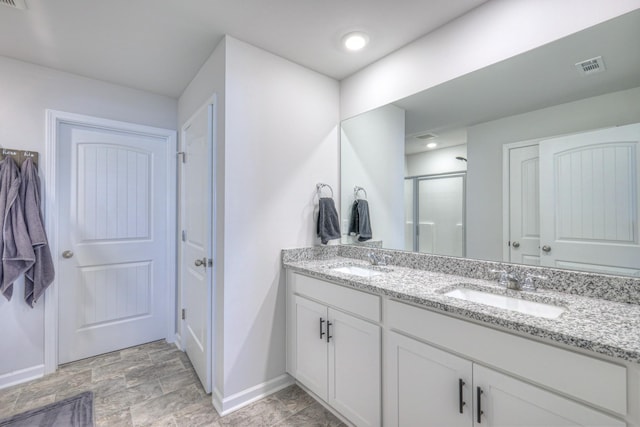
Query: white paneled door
[113, 277]
[524, 205]
[589, 201]
[196, 249]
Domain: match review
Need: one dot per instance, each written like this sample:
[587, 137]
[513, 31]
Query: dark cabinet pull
[329, 333]
[461, 402]
[321, 332]
[480, 412]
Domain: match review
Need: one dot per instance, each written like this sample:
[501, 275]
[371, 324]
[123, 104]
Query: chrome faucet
[381, 259]
[508, 280]
[529, 284]
[513, 282]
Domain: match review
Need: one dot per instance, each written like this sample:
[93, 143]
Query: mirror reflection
[531, 160]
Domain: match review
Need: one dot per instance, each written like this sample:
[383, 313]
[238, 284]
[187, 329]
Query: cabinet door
[508, 402]
[354, 369]
[423, 385]
[311, 345]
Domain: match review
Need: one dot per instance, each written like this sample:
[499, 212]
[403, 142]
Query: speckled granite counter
[602, 326]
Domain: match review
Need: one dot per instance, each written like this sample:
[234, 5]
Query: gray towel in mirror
[360, 222]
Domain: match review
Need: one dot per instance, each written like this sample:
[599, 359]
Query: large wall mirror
[533, 160]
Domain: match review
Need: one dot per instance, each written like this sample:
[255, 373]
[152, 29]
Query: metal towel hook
[356, 190]
[319, 187]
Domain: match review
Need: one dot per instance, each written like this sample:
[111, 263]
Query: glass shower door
[440, 213]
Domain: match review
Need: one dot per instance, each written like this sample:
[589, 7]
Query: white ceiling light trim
[355, 41]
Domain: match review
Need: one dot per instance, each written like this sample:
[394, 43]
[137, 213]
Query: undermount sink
[531, 308]
[357, 271]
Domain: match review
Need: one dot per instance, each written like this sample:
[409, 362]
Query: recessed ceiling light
[355, 41]
[432, 145]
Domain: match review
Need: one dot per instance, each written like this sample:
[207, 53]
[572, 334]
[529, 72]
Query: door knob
[67, 254]
[516, 244]
[546, 248]
[199, 262]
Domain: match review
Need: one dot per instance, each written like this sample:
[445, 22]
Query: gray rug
[76, 411]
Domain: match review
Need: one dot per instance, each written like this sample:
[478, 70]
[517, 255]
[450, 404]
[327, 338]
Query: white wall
[438, 161]
[485, 141]
[279, 138]
[26, 92]
[372, 147]
[469, 43]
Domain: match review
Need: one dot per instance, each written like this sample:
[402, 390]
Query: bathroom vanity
[409, 345]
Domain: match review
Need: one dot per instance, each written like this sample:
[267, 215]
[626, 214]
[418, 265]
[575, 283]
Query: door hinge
[184, 235]
[184, 156]
[184, 314]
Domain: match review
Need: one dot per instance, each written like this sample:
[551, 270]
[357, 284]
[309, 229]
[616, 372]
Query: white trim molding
[226, 405]
[21, 376]
[53, 120]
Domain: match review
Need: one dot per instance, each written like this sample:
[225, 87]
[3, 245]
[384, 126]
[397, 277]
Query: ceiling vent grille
[426, 136]
[591, 66]
[17, 4]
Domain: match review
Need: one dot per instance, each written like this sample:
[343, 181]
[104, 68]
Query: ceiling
[159, 45]
[536, 79]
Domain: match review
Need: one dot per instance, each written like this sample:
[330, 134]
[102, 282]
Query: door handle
[329, 333]
[321, 332]
[67, 254]
[480, 412]
[461, 401]
[546, 248]
[516, 244]
[201, 262]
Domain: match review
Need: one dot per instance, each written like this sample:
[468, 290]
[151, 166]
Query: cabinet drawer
[357, 302]
[595, 381]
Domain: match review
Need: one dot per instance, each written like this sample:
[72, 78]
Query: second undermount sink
[357, 271]
[532, 308]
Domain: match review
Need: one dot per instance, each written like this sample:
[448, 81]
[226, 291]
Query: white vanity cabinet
[334, 346]
[425, 386]
[430, 386]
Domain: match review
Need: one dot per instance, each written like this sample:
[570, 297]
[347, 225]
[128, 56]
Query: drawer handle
[321, 332]
[461, 402]
[328, 333]
[480, 412]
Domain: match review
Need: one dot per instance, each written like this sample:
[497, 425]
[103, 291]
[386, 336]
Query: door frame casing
[54, 119]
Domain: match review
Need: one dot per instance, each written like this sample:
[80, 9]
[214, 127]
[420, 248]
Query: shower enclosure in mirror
[562, 204]
[434, 205]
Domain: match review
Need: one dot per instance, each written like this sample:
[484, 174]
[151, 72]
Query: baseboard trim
[177, 341]
[21, 376]
[227, 405]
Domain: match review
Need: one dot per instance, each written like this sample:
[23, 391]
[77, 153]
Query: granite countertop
[598, 325]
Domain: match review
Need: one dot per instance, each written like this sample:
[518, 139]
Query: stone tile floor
[155, 385]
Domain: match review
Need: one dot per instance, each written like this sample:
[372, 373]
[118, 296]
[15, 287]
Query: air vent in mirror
[18, 4]
[591, 66]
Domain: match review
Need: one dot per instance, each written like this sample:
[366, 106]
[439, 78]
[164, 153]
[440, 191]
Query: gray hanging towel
[328, 221]
[40, 275]
[15, 245]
